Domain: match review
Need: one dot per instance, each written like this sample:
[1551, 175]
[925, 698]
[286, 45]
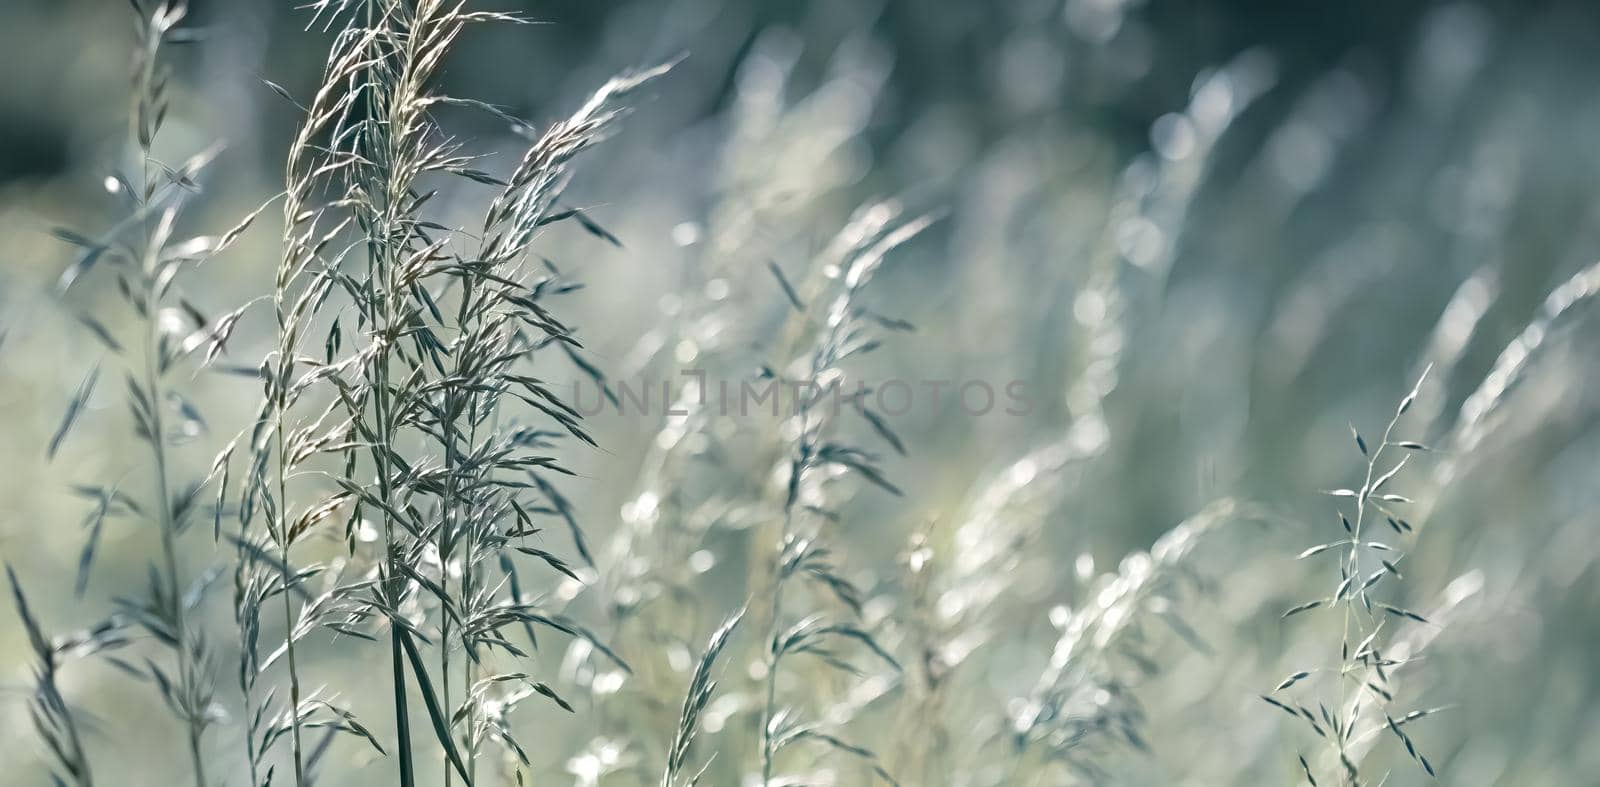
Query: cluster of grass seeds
[303, 281]
[487, 458]
[426, 346]
[440, 326]
[1364, 704]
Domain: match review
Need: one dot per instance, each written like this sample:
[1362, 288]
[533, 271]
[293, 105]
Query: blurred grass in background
[1209, 235]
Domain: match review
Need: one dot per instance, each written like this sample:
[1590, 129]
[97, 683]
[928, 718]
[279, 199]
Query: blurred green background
[1295, 207]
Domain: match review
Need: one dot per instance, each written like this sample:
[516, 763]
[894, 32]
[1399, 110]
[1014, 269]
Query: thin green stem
[769, 709]
[394, 581]
[154, 393]
[286, 578]
[446, 516]
[168, 528]
[379, 271]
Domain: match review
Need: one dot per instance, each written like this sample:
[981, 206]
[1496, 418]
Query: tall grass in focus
[822, 592]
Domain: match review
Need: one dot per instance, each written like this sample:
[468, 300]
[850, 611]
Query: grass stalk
[155, 392]
[169, 546]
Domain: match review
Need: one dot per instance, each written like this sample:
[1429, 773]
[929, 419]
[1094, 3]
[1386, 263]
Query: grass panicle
[146, 259]
[702, 685]
[421, 342]
[1369, 562]
[844, 328]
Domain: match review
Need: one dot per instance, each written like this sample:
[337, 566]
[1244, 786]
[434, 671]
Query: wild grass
[147, 261]
[452, 515]
[427, 586]
[845, 327]
[701, 688]
[1362, 674]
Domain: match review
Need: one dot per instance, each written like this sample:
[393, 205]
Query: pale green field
[1120, 281]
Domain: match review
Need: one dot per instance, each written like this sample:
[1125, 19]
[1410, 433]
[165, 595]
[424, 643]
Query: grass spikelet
[701, 687]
